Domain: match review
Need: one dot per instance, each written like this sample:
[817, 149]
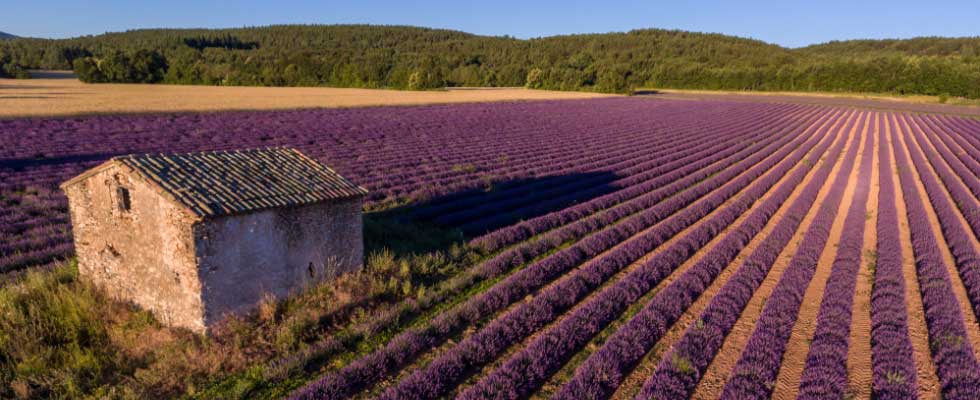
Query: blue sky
[789, 23]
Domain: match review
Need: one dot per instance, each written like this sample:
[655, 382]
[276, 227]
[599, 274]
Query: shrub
[535, 79]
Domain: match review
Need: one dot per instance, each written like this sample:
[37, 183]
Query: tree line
[419, 58]
[9, 68]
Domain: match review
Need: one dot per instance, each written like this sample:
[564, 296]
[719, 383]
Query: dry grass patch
[59, 97]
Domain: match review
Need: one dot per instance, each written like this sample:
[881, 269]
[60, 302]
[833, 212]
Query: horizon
[786, 25]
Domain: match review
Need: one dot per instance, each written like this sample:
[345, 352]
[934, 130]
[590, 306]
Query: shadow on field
[25, 97]
[40, 160]
[51, 74]
[474, 212]
[645, 92]
[385, 230]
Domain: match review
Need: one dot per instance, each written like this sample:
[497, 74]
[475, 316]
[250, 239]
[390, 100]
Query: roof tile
[222, 183]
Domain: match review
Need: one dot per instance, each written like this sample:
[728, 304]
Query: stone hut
[193, 237]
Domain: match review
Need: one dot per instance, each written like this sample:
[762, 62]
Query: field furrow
[943, 300]
[755, 373]
[613, 359]
[681, 370]
[610, 248]
[526, 370]
[824, 372]
[903, 259]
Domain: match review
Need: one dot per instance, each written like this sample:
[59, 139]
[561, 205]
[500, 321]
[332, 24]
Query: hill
[922, 46]
[406, 57]
[5, 35]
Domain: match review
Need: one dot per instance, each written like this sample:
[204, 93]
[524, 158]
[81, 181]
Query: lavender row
[164, 133]
[526, 370]
[60, 148]
[956, 365]
[655, 192]
[601, 373]
[965, 166]
[892, 360]
[443, 181]
[756, 369]
[529, 138]
[528, 250]
[469, 209]
[374, 130]
[177, 146]
[452, 188]
[169, 146]
[825, 372]
[406, 346]
[524, 230]
[680, 370]
[952, 133]
[967, 160]
[626, 157]
[544, 201]
[444, 372]
[970, 143]
[958, 239]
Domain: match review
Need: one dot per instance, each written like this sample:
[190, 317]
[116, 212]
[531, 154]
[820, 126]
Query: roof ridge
[224, 182]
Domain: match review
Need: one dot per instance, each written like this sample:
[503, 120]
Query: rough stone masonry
[194, 237]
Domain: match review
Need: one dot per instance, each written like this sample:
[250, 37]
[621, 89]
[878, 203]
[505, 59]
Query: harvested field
[67, 96]
[629, 247]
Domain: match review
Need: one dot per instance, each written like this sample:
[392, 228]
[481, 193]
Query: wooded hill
[419, 58]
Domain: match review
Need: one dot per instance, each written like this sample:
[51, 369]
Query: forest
[402, 57]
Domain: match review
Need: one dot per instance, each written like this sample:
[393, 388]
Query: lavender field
[633, 248]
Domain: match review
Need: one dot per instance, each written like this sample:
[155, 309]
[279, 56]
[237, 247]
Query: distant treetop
[405, 57]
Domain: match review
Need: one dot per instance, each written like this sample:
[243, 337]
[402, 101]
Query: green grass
[63, 338]
[356, 341]
[60, 337]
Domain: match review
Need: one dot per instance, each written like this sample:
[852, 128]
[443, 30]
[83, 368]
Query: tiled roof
[234, 182]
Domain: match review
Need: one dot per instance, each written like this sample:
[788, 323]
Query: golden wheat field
[56, 93]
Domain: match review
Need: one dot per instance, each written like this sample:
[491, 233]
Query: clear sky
[789, 22]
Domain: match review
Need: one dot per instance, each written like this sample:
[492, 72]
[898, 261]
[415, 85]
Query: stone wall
[144, 255]
[277, 251]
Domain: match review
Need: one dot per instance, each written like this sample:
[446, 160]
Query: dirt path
[969, 318]
[930, 146]
[956, 147]
[514, 348]
[422, 362]
[859, 377]
[798, 346]
[926, 378]
[634, 381]
[716, 375]
[558, 379]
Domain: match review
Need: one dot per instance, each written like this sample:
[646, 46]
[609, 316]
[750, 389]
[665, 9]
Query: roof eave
[88, 173]
[162, 191]
[364, 192]
[263, 209]
[153, 185]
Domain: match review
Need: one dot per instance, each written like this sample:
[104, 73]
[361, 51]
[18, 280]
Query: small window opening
[312, 270]
[122, 198]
